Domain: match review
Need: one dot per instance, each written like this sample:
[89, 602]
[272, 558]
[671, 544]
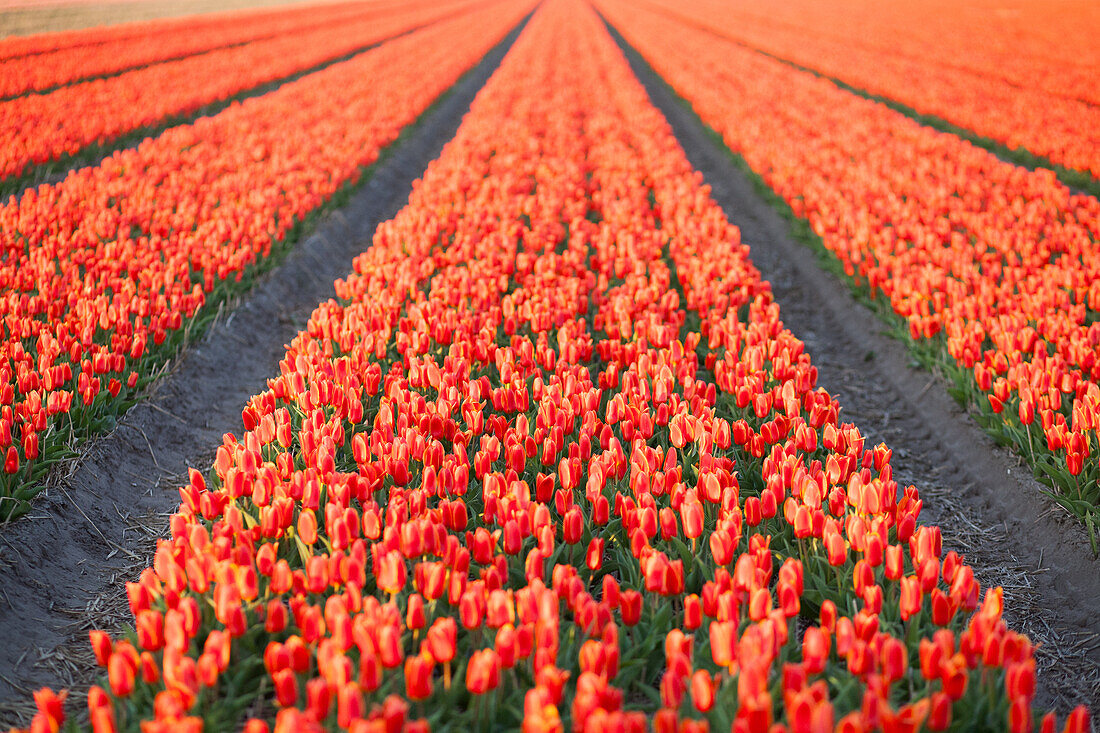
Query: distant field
[24, 17]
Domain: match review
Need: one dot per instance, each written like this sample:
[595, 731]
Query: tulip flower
[418, 676]
[101, 646]
[441, 641]
[286, 687]
[630, 606]
[702, 691]
[121, 673]
[692, 515]
[11, 460]
[483, 671]
[594, 553]
[392, 573]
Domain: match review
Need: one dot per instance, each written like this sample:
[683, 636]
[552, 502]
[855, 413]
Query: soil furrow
[983, 497]
[62, 567]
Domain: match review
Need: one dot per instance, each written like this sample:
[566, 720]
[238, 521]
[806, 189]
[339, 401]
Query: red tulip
[101, 645]
[594, 554]
[418, 677]
[630, 606]
[483, 671]
[693, 612]
[911, 597]
[702, 691]
[390, 649]
[392, 573]
[815, 649]
[573, 526]
[286, 687]
[441, 639]
[691, 513]
[723, 642]
[121, 673]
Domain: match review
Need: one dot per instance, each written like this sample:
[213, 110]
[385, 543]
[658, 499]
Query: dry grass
[47, 17]
[72, 664]
[1065, 658]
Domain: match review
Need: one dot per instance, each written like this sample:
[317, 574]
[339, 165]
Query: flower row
[107, 265]
[1028, 46]
[996, 265]
[1024, 113]
[29, 64]
[44, 127]
[551, 460]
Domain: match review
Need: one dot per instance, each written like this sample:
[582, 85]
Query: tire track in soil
[983, 497]
[62, 565]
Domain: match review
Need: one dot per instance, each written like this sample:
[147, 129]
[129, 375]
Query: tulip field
[549, 459]
[41, 63]
[48, 127]
[969, 63]
[995, 265]
[122, 251]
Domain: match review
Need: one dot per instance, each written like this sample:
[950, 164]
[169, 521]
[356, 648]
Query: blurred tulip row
[42, 128]
[1050, 107]
[103, 273]
[41, 62]
[994, 268]
[551, 460]
[1027, 46]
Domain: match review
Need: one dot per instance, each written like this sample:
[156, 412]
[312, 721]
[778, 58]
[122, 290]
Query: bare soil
[984, 498]
[25, 18]
[63, 566]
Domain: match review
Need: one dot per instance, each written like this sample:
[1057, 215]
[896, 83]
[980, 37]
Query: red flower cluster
[1027, 46]
[996, 263]
[47, 60]
[100, 268]
[952, 61]
[44, 127]
[470, 497]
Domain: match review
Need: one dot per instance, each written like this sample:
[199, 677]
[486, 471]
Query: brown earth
[984, 498]
[63, 566]
[24, 19]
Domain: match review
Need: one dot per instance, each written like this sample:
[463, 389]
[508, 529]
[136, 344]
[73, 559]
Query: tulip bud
[693, 612]
[702, 690]
[630, 606]
[286, 687]
[483, 671]
[594, 554]
[415, 617]
[691, 515]
[418, 677]
[101, 645]
[442, 639]
[121, 674]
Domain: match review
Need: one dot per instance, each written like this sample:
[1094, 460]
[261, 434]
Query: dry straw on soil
[23, 19]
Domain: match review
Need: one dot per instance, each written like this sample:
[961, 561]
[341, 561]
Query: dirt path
[62, 567]
[983, 497]
[22, 18]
